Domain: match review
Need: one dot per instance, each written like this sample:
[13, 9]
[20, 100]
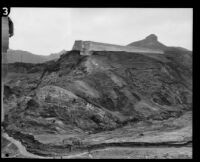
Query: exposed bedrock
[77, 95]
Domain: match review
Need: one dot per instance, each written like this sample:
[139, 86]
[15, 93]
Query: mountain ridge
[28, 57]
[151, 41]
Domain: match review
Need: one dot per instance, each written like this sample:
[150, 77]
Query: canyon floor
[166, 139]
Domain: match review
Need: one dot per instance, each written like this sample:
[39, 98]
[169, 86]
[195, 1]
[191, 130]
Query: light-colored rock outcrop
[86, 47]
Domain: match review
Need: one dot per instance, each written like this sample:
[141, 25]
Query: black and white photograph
[96, 83]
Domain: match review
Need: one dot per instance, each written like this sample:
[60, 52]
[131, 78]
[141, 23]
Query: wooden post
[4, 48]
[7, 31]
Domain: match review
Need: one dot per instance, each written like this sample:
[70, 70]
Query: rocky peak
[151, 42]
[152, 37]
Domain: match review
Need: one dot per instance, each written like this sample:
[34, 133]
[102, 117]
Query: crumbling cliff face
[71, 101]
[86, 48]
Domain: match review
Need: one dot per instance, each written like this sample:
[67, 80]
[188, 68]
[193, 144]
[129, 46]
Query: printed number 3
[5, 11]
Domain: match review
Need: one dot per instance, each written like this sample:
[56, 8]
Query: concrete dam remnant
[86, 48]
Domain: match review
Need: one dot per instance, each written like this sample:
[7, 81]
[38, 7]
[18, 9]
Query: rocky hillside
[80, 101]
[27, 57]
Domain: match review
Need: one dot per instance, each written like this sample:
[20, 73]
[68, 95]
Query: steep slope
[76, 99]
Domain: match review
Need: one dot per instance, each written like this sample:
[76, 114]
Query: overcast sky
[50, 30]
